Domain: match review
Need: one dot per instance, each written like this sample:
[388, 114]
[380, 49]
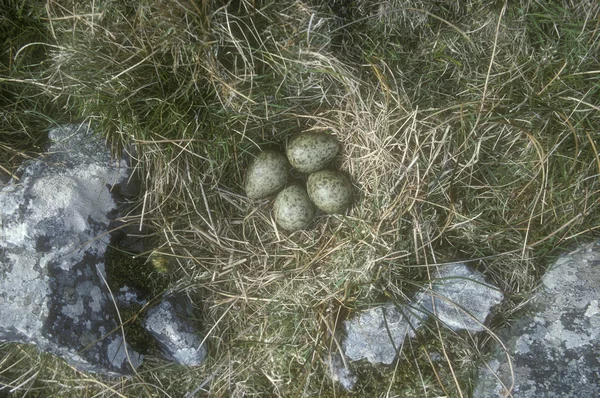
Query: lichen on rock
[55, 221]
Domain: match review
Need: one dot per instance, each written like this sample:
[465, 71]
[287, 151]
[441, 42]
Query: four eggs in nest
[309, 153]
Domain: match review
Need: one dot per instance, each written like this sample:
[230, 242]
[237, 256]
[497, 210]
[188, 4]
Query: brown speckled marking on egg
[266, 175]
[293, 209]
[330, 191]
[309, 152]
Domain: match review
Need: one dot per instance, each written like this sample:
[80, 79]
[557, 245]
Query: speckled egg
[266, 175]
[310, 152]
[293, 209]
[330, 191]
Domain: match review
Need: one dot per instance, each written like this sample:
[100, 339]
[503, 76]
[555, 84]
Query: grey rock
[170, 322]
[555, 345]
[55, 221]
[378, 334]
[460, 298]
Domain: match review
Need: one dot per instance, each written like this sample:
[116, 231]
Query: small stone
[170, 324]
[462, 301]
[128, 296]
[462, 298]
[378, 334]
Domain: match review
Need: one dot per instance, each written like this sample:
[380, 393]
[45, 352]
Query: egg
[330, 191]
[293, 209]
[310, 152]
[266, 175]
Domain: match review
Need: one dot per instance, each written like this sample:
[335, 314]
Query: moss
[126, 269]
[137, 336]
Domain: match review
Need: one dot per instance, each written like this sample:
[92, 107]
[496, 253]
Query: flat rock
[459, 297]
[378, 334]
[55, 221]
[555, 345]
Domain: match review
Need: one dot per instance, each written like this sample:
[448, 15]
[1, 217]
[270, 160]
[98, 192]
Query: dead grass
[470, 132]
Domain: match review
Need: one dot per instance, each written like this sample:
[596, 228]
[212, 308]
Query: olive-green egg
[293, 209]
[266, 175]
[330, 191]
[310, 152]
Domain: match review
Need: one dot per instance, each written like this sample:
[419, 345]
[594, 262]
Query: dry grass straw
[470, 133]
